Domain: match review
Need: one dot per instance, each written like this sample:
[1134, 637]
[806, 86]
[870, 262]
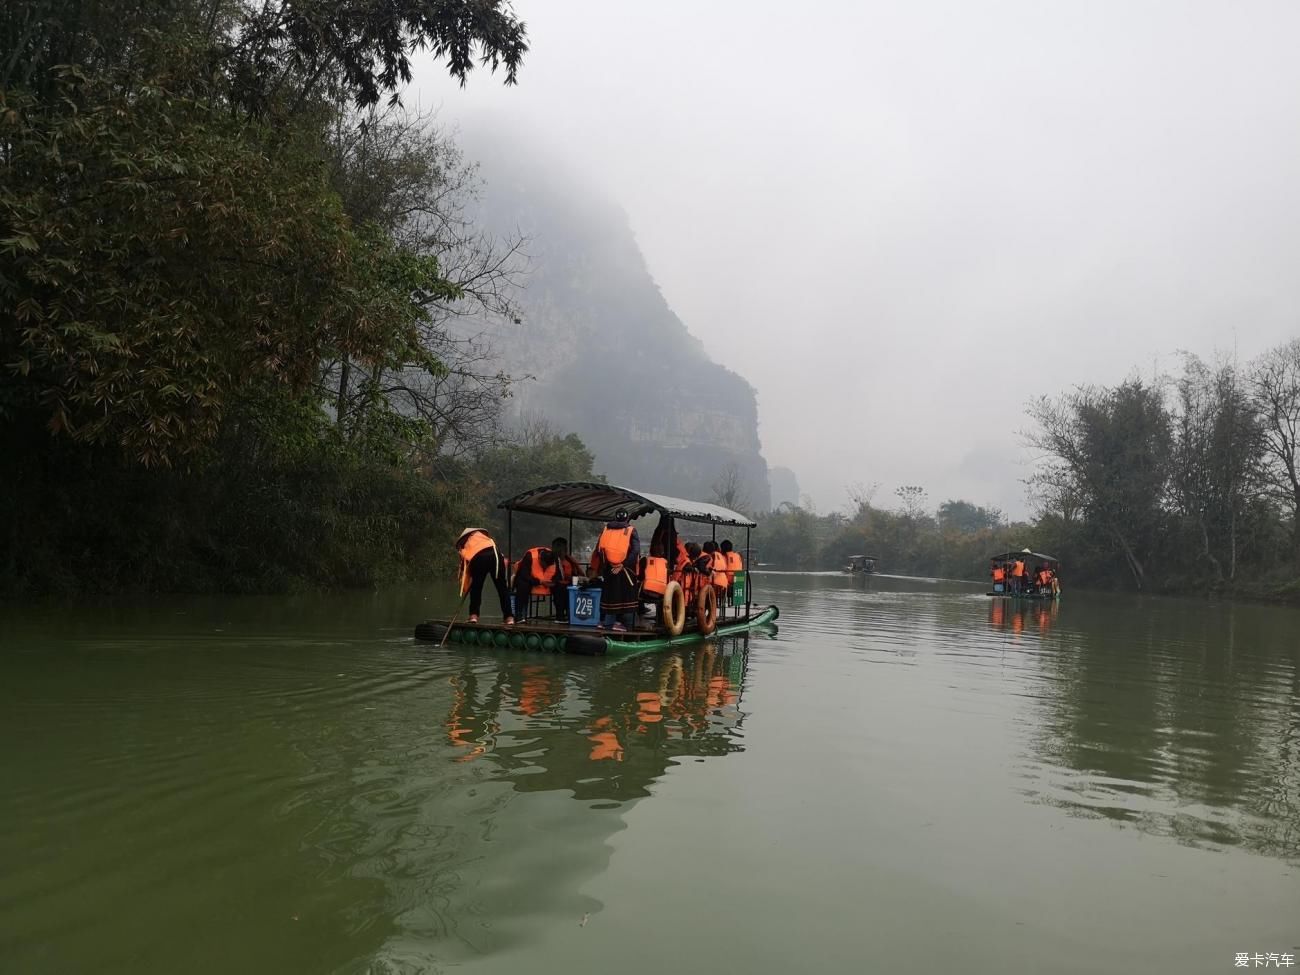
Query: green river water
[905, 776]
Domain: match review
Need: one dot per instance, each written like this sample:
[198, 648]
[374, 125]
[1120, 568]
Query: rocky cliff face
[611, 360]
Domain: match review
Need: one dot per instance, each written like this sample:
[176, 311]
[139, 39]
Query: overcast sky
[900, 221]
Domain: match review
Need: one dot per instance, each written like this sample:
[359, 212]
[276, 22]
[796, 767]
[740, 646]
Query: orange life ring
[706, 610]
[674, 608]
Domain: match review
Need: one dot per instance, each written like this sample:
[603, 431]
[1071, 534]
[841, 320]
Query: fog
[901, 221]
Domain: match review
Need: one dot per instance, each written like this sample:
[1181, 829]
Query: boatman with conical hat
[479, 560]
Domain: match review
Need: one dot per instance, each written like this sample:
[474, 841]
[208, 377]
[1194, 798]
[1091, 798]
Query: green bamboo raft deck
[1025, 595]
[583, 640]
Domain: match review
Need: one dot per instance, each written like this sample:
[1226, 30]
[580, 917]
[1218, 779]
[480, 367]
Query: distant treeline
[1183, 484]
[953, 542]
[229, 269]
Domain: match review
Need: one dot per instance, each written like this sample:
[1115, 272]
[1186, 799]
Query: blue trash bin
[584, 607]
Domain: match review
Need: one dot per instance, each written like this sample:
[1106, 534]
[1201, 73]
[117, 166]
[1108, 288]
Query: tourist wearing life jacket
[654, 578]
[702, 565]
[734, 564]
[656, 570]
[683, 557]
[1018, 575]
[616, 557]
[1045, 578]
[480, 559]
[717, 568]
[999, 577]
[545, 572]
[694, 568]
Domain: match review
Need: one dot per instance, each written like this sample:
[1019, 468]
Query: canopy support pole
[510, 542]
[749, 575]
[571, 538]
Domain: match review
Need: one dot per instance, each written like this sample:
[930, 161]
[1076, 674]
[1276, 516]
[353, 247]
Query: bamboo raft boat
[1001, 590]
[585, 501]
[583, 640]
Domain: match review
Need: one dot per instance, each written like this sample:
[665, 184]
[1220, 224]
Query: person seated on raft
[999, 576]
[659, 543]
[479, 559]
[1043, 578]
[643, 599]
[734, 564]
[717, 569]
[617, 553]
[697, 570]
[683, 560]
[545, 569]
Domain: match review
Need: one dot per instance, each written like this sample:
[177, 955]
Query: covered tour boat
[1041, 580]
[682, 614]
[861, 565]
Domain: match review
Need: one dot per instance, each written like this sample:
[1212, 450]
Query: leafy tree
[1275, 393]
[179, 268]
[965, 517]
[401, 174]
[1110, 448]
[1215, 459]
[160, 255]
[264, 57]
[535, 453]
[729, 489]
[911, 499]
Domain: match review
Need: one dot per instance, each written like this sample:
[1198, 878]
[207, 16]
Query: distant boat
[861, 565]
[1032, 587]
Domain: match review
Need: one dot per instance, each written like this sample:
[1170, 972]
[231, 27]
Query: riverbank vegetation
[238, 294]
[1185, 483]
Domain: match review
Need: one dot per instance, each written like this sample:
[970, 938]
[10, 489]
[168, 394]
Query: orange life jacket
[614, 545]
[474, 543]
[1018, 570]
[1044, 577]
[734, 564]
[689, 576]
[683, 559]
[656, 576]
[720, 570]
[999, 574]
[543, 576]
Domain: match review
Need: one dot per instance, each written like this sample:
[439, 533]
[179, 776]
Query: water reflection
[478, 844]
[233, 790]
[1015, 614]
[339, 802]
[1176, 718]
[608, 731]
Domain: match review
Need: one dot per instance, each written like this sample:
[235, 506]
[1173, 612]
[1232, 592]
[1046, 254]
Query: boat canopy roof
[1022, 554]
[869, 558]
[593, 501]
